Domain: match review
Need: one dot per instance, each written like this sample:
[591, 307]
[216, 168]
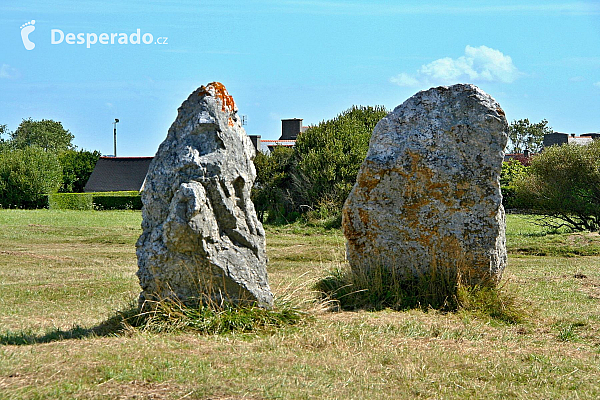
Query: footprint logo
[26, 29]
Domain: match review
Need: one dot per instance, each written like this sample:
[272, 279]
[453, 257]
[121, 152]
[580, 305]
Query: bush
[96, 200]
[316, 176]
[564, 186]
[271, 191]
[27, 176]
[329, 156]
[77, 167]
[512, 170]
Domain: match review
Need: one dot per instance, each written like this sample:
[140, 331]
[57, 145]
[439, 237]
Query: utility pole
[115, 133]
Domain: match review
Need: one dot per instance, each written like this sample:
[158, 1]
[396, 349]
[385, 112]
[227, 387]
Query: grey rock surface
[428, 193]
[201, 238]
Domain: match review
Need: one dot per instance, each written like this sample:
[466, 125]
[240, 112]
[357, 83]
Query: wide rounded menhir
[202, 240]
[427, 196]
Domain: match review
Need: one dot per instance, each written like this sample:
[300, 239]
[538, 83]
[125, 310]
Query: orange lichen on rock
[218, 90]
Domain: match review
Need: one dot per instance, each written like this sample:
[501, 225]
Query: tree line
[39, 158]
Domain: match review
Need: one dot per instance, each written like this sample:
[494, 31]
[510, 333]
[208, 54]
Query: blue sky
[291, 59]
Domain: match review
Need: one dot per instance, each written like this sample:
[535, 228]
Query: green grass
[64, 275]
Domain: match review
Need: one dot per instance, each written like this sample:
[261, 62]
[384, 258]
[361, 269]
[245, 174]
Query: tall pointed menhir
[202, 240]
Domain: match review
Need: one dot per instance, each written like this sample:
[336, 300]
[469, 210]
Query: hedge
[95, 201]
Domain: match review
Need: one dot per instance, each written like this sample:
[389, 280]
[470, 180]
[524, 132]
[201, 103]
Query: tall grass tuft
[445, 288]
[172, 315]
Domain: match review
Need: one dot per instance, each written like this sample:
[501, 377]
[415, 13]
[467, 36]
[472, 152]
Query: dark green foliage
[77, 167]
[117, 201]
[95, 200]
[329, 156]
[48, 134]
[4, 145]
[271, 191]
[315, 177]
[523, 135]
[27, 176]
[512, 171]
[564, 186]
[34, 154]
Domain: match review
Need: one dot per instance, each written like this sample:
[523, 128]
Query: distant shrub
[77, 167]
[512, 171]
[315, 177]
[329, 156]
[26, 176]
[271, 191]
[563, 185]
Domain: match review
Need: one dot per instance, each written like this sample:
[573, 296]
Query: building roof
[278, 142]
[113, 174]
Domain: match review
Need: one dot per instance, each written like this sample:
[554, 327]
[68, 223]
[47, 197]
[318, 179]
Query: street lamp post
[115, 134]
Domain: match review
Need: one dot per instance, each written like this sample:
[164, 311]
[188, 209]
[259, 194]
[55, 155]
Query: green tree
[4, 145]
[47, 134]
[524, 135]
[77, 166]
[512, 171]
[26, 176]
[563, 185]
[329, 156]
[271, 191]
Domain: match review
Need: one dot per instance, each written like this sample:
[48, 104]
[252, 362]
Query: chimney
[526, 153]
[290, 128]
[255, 141]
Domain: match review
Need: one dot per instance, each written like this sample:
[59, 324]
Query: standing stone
[428, 195]
[201, 238]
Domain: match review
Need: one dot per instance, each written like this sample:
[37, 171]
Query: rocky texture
[201, 238]
[428, 195]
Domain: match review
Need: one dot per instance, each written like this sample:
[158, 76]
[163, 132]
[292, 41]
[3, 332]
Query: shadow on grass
[113, 326]
[168, 315]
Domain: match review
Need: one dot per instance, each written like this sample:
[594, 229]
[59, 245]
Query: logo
[26, 29]
[57, 36]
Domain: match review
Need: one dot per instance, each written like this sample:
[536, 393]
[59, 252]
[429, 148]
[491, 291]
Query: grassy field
[63, 274]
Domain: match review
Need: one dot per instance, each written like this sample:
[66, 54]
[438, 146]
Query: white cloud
[404, 79]
[597, 84]
[577, 79]
[478, 64]
[8, 72]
